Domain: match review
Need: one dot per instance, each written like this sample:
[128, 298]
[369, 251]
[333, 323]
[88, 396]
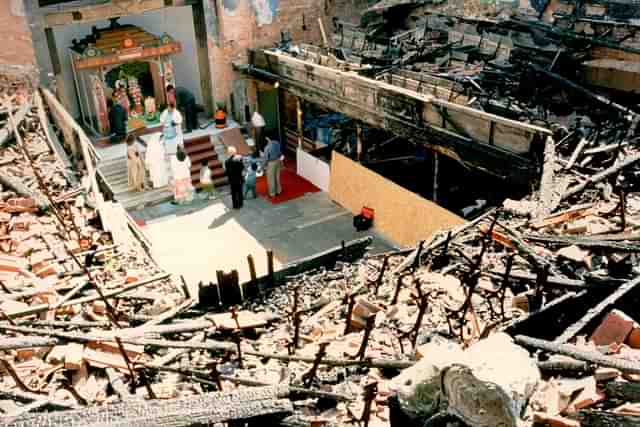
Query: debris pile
[526, 314]
[557, 270]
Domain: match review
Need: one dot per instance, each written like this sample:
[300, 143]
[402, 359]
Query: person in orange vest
[220, 118]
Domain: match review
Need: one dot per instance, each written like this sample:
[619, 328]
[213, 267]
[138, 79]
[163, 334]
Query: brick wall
[15, 35]
[241, 29]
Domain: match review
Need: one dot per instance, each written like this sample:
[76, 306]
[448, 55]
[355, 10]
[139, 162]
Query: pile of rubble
[525, 315]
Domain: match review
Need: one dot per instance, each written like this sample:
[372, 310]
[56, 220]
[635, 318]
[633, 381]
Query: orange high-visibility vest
[221, 119]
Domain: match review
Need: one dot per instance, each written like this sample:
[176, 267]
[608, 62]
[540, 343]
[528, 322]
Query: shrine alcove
[125, 57]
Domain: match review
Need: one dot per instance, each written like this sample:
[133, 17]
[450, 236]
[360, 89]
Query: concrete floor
[206, 236]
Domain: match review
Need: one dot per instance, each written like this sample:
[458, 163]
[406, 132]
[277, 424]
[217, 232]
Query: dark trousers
[259, 139]
[250, 188]
[190, 112]
[117, 138]
[236, 195]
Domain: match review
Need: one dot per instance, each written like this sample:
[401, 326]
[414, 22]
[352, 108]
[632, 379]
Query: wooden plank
[120, 57]
[246, 319]
[101, 12]
[233, 138]
[18, 117]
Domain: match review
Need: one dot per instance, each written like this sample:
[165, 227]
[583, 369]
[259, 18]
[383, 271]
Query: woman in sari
[135, 166]
[182, 188]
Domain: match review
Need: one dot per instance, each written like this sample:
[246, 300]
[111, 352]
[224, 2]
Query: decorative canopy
[121, 43]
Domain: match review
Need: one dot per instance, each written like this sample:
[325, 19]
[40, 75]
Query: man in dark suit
[234, 166]
[186, 104]
[117, 121]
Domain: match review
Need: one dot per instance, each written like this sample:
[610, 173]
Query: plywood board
[233, 138]
[400, 215]
[246, 319]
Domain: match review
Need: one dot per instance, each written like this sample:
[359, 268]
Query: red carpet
[293, 186]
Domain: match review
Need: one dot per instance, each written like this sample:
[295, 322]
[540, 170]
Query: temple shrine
[130, 62]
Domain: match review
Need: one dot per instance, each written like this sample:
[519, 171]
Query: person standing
[186, 103]
[122, 98]
[233, 168]
[183, 187]
[273, 165]
[117, 120]
[135, 166]
[250, 181]
[156, 161]
[258, 124]
[208, 187]
[171, 121]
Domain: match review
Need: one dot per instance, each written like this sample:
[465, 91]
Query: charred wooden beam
[350, 251]
[578, 353]
[617, 167]
[243, 404]
[625, 391]
[26, 342]
[599, 310]
[492, 159]
[588, 242]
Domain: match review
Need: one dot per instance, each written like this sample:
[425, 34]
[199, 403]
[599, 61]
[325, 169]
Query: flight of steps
[202, 148]
[114, 174]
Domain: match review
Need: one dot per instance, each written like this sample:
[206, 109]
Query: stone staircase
[114, 174]
[209, 149]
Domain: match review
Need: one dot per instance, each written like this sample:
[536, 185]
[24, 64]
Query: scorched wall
[15, 35]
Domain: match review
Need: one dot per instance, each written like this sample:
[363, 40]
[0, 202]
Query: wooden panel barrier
[400, 215]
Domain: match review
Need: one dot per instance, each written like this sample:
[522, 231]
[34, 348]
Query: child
[208, 189]
[250, 180]
[182, 187]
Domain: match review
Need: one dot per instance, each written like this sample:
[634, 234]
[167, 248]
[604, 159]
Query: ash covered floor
[198, 239]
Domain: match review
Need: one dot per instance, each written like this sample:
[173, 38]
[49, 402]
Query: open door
[268, 105]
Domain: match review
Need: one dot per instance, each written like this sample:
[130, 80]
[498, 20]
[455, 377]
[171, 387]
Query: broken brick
[615, 328]
[12, 263]
[633, 340]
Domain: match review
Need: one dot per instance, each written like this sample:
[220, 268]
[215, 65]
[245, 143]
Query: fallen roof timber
[481, 140]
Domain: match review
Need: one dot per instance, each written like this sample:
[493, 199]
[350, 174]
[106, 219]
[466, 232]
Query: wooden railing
[114, 217]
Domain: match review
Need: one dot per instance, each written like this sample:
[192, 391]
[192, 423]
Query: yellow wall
[400, 215]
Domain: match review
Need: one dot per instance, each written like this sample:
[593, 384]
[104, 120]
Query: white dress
[182, 187]
[156, 162]
[172, 135]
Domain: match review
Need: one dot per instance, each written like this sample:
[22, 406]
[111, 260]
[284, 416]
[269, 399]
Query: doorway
[268, 106]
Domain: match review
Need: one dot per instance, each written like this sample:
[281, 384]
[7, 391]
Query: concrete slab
[206, 236]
